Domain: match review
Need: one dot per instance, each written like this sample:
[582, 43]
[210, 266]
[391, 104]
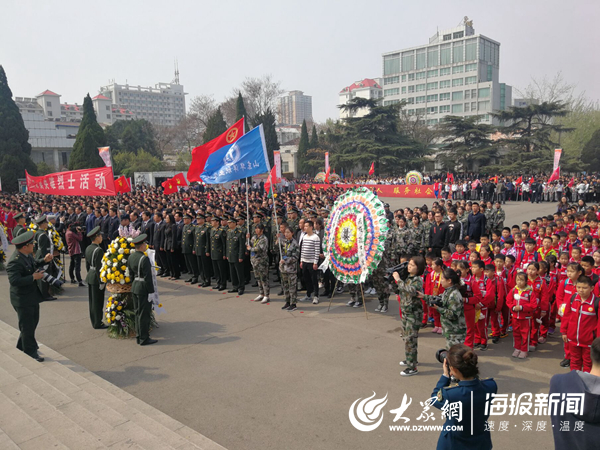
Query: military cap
[50, 216]
[188, 216]
[386, 205]
[231, 219]
[295, 209]
[94, 232]
[258, 214]
[214, 218]
[24, 238]
[242, 216]
[41, 220]
[139, 239]
[18, 216]
[200, 216]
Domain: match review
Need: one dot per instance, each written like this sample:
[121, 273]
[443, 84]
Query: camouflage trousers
[382, 286]
[261, 273]
[452, 339]
[411, 324]
[289, 283]
[355, 292]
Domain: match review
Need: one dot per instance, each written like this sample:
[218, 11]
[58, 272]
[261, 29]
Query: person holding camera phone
[25, 295]
[74, 238]
[461, 362]
[411, 310]
[450, 307]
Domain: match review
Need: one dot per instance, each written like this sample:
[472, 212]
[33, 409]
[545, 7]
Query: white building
[288, 133]
[294, 108]
[163, 104]
[456, 73]
[368, 88]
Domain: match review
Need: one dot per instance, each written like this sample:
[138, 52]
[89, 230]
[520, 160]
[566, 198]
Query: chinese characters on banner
[557, 154]
[92, 182]
[382, 190]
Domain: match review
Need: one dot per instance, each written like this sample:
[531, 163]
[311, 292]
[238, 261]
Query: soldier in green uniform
[140, 271]
[25, 295]
[241, 221]
[202, 250]
[498, 217]
[20, 227]
[411, 310]
[93, 263]
[43, 247]
[216, 251]
[260, 262]
[188, 238]
[402, 240]
[418, 236]
[451, 309]
[224, 228]
[234, 251]
[382, 286]
[290, 255]
[293, 220]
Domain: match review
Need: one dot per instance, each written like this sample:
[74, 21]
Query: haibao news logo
[368, 414]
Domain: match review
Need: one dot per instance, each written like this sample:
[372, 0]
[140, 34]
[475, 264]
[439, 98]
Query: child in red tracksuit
[564, 292]
[522, 302]
[472, 297]
[487, 299]
[537, 284]
[580, 325]
[548, 299]
[498, 290]
[433, 286]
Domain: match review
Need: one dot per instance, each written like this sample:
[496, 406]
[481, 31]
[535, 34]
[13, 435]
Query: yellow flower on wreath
[127, 280]
[120, 257]
[127, 251]
[119, 307]
[123, 268]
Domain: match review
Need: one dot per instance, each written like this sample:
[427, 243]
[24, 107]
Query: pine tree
[240, 111]
[15, 149]
[268, 121]
[314, 139]
[303, 147]
[215, 127]
[468, 143]
[89, 137]
[590, 154]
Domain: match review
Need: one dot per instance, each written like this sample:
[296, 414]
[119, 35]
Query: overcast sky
[317, 46]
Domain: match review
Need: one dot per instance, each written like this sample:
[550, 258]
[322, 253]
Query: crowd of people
[467, 274]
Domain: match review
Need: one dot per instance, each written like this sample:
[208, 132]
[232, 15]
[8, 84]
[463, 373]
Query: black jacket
[170, 234]
[158, 238]
[113, 227]
[455, 230]
[439, 235]
[178, 235]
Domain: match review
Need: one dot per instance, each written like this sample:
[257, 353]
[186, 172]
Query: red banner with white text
[92, 182]
[382, 190]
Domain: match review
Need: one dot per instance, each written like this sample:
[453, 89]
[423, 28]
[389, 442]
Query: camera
[56, 282]
[402, 270]
[441, 355]
[436, 300]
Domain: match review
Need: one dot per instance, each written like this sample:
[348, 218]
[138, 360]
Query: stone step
[94, 412]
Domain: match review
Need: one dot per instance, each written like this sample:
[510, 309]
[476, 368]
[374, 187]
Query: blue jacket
[478, 438]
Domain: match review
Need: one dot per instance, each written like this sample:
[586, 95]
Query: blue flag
[245, 157]
[342, 173]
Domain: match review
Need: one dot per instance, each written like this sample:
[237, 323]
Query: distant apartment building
[456, 73]
[294, 108]
[368, 88]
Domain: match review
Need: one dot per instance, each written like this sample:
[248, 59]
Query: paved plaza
[251, 376]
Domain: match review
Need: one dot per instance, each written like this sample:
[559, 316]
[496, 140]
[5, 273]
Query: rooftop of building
[48, 92]
[363, 84]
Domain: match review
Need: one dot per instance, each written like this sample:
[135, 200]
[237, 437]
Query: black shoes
[565, 363]
[194, 281]
[149, 342]
[37, 357]
[221, 288]
[483, 347]
[255, 285]
[189, 280]
[280, 292]
[102, 327]
[286, 306]
[241, 292]
[231, 291]
[205, 285]
[496, 339]
[49, 299]
[292, 307]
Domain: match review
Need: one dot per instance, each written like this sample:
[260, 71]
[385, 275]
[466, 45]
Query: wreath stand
[361, 293]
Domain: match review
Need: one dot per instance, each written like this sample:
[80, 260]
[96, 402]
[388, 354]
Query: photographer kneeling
[450, 307]
[467, 431]
[411, 310]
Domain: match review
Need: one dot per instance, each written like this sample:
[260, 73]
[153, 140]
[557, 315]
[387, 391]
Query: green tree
[590, 153]
[183, 162]
[89, 137]
[215, 127]
[267, 119]
[467, 143]
[314, 139]
[240, 111]
[43, 168]
[131, 136]
[529, 135]
[303, 147]
[584, 122]
[127, 163]
[376, 137]
[15, 149]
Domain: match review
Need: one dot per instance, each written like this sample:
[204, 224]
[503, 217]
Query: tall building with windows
[367, 88]
[457, 73]
[294, 107]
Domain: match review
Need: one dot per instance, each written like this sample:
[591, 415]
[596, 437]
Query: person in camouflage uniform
[452, 315]
[498, 217]
[487, 212]
[382, 286]
[463, 218]
[411, 310]
[290, 253]
[356, 296]
[259, 258]
[402, 240]
[419, 238]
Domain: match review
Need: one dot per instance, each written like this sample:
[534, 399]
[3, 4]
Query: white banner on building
[557, 153]
[277, 159]
[326, 161]
[105, 155]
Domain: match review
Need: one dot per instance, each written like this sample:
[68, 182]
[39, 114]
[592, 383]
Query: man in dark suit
[80, 216]
[179, 259]
[158, 242]
[136, 220]
[147, 226]
[104, 227]
[113, 224]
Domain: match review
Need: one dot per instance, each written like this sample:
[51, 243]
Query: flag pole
[247, 213]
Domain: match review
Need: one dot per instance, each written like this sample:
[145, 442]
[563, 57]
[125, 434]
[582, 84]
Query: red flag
[179, 179]
[272, 179]
[327, 175]
[372, 169]
[494, 179]
[169, 186]
[519, 180]
[572, 182]
[450, 177]
[555, 175]
[121, 185]
[531, 180]
[200, 154]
